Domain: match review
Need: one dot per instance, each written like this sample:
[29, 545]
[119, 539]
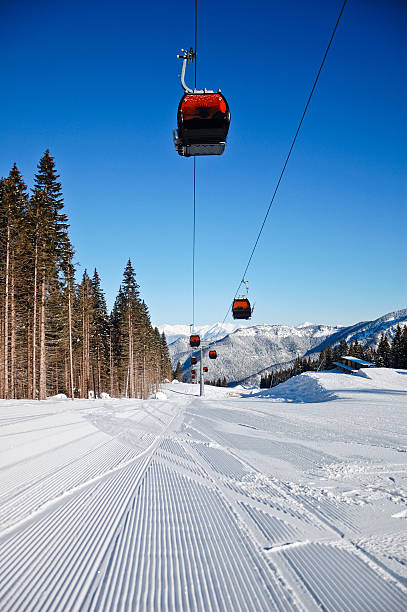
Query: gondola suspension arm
[190, 56]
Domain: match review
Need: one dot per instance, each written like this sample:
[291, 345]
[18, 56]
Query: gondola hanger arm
[189, 56]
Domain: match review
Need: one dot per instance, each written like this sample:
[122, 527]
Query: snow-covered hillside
[368, 331]
[291, 499]
[250, 352]
[250, 349]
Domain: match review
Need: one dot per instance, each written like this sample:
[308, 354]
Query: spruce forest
[56, 335]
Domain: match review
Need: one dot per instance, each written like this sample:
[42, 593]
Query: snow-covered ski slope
[289, 499]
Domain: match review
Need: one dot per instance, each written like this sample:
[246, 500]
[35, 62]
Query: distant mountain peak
[216, 331]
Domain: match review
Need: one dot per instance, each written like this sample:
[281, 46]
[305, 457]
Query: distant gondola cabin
[194, 341]
[213, 354]
[241, 308]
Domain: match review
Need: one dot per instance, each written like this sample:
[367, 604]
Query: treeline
[389, 354]
[56, 335]
[217, 382]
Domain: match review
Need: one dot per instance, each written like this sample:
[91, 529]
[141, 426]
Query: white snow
[285, 499]
[159, 395]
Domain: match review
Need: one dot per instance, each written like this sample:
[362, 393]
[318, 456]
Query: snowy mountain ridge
[247, 353]
[206, 332]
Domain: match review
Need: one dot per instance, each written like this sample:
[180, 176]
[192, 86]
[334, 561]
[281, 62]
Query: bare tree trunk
[98, 372]
[94, 379]
[111, 365]
[71, 388]
[144, 396]
[13, 334]
[43, 372]
[34, 334]
[56, 375]
[29, 373]
[131, 355]
[85, 348]
[2, 350]
[6, 315]
[66, 372]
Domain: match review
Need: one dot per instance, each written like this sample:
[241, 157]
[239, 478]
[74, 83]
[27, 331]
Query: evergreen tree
[336, 352]
[396, 349]
[13, 259]
[48, 231]
[116, 355]
[328, 358]
[85, 316]
[383, 352]
[343, 348]
[357, 350]
[130, 321]
[403, 362]
[100, 334]
[166, 368]
[178, 372]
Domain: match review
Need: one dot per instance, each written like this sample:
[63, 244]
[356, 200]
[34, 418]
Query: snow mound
[312, 387]
[386, 378]
[59, 396]
[304, 389]
[159, 395]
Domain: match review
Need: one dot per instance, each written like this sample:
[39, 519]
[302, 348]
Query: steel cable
[287, 158]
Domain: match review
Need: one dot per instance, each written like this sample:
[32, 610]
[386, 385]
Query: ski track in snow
[214, 504]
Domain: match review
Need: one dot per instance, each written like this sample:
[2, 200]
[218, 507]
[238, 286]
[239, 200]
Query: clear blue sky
[97, 83]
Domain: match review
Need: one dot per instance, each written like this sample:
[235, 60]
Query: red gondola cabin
[194, 341]
[193, 372]
[241, 308]
[193, 360]
[212, 354]
[205, 368]
[203, 123]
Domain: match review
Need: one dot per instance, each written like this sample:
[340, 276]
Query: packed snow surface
[285, 499]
